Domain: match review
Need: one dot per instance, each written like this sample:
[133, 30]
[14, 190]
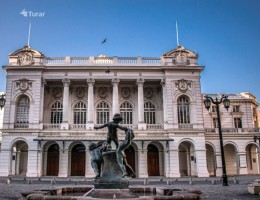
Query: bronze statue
[120, 154]
[112, 129]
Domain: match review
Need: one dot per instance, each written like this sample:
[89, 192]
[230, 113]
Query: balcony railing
[185, 126]
[21, 125]
[154, 126]
[78, 126]
[233, 130]
[51, 126]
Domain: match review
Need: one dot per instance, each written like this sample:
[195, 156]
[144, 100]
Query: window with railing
[22, 112]
[80, 111]
[238, 122]
[236, 108]
[149, 113]
[183, 105]
[102, 113]
[56, 113]
[126, 111]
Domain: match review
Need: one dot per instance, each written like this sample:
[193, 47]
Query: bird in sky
[104, 41]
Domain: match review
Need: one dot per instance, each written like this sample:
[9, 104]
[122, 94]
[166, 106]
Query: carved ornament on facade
[181, 58]
[183, 85]
[80, 92]
[125, 92]
[56, 92]
[140, 82]
[115, 82]
[23, 84]
[148, 92]
[102, 92]
[25, 58]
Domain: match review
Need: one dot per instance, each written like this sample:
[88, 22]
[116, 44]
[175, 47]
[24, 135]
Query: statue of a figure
[120, 154]
[96, 156]
[112, 129]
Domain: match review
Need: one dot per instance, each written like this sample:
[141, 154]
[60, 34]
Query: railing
[229, 130]
[186, 126]
[250, 130]
[210, 130]
[78, 126]
[102, 60]
[51, 126]
[79, 60]
[154, 126]
[132, 126]
[21, 125]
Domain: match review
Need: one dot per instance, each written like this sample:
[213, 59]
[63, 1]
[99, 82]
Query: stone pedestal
[111, 174]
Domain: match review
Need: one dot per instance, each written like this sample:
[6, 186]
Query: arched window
[56, 113]
[102, 113]
[22, 114]
[80, 111]
[183, 104]
[126, 111]
[149, 113]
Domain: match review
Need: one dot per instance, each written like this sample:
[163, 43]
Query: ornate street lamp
[226, 102]
[2, 101]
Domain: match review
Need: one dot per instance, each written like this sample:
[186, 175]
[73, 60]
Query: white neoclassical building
[53, 103]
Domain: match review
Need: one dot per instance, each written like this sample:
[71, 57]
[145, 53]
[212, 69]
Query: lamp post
[207, 102]
[2, 101]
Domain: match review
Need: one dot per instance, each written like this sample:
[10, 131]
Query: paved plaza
[237, 190]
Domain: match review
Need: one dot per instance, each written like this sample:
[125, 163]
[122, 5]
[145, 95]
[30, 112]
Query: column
[141, 124]
[173, 161]
[64, 159]
[165, 121]
[115, 106]
[43, 83]
[142, 163]
[219, 170]
[65, 106]
[89, 172]
[90, 111]
[32, 162]
[201, 162]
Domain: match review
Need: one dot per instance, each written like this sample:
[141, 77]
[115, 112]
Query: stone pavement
[235, 191]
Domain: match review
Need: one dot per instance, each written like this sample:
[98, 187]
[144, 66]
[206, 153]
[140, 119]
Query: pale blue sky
[225, 33]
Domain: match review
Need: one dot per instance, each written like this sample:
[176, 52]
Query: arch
[252, 158]
[80, 112]
[126, 111]
[102, 112]
[17, 96]
[19, 157]
[153, 160]
[211, 159]
[183, 109]
[131, 158]
[56, 112]
[187, 158]
[78, 159]
[231, 158]
[149, 112]
[179, 94]
[53, 157]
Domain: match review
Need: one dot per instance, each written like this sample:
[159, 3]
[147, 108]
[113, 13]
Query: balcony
[154, 126]
[21, 125]
[185, 126]
[51, 126]
[78, 126]
[233, 130]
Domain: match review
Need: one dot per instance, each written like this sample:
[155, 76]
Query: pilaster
[90, 113]
[115, 106]
[141, 124]
[65, 106]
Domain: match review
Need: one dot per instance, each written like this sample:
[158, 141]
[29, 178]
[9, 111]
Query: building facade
[53, 103]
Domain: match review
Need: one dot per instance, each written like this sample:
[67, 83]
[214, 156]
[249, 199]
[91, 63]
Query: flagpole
[177, 33]
[29, 35]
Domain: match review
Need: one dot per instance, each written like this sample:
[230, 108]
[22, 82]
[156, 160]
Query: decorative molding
[90, 81]
[66, 82]
[102, 92]
[148, 92]
[125, 92]
[140, 82]
[80, 92]
[23, 84]
[25, 58]
[183, 85]
[56, 92]
[115, 82]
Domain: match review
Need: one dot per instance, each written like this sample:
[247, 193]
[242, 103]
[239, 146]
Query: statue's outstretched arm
[102, 126]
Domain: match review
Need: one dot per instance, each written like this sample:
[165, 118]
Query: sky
[225, 34]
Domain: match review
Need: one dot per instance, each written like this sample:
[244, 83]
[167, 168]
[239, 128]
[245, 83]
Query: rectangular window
[236, 108]
[237, 122]
[215, 122]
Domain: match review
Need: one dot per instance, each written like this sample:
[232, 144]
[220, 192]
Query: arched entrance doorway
[53, 157]
[252, 159]
[19, 158]
[78, 158]
[231, 159]
[211, 160]
[187, 159]
[130, 157]
[153, 160]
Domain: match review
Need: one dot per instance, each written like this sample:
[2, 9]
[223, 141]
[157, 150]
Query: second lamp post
[207, 102]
